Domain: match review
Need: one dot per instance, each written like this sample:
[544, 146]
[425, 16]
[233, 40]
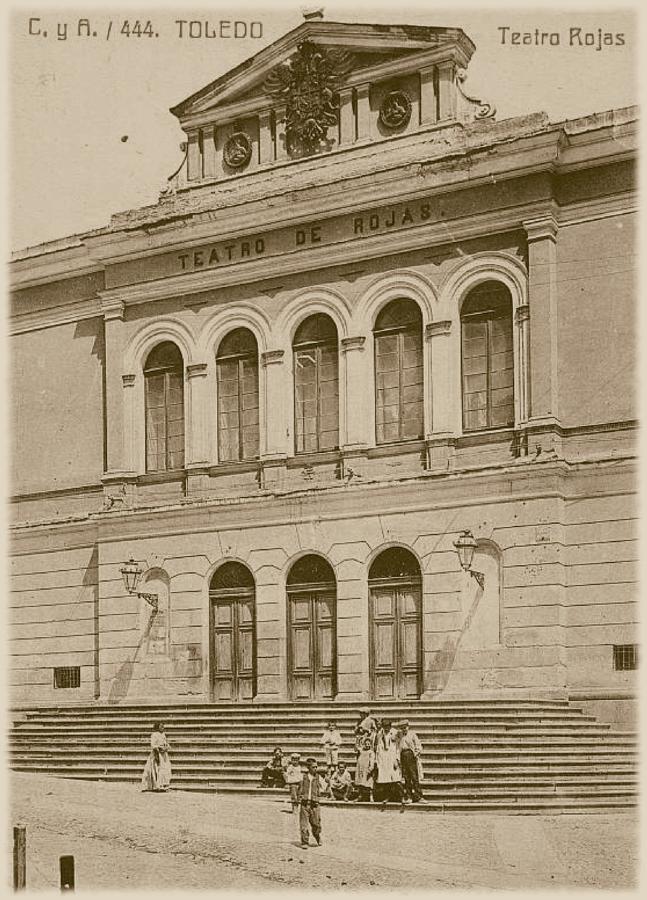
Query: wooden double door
[233, 647]
[312, 644]
[395, 640]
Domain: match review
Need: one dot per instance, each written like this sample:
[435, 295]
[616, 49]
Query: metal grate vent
[67, 677]
[625, 656]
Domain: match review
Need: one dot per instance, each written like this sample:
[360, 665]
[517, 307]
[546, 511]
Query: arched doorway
[233, 633]
[395, 598]
[312, 629]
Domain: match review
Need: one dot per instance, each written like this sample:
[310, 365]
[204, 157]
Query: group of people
[387, 769]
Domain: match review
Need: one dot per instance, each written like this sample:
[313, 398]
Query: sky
[90, 132]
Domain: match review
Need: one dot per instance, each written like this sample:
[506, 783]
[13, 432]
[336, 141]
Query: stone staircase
[524, 756]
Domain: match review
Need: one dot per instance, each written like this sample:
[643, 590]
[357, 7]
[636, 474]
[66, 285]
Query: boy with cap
[309, 815]
[293, 778]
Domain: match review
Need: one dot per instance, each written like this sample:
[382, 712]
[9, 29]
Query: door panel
[312, 645]
[233, 662]
[395, 642]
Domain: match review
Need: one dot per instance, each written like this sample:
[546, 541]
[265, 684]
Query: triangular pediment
[368, 47]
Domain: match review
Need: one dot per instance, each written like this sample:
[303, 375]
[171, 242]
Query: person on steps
[410, 750]
[293, 778]
[388, 775]
[273, 775]
[157, 771]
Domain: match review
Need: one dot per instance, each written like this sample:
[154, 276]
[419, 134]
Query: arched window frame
[316, 350]
[496, 338]
[245, 364]
[172, 456]
[446, 363]
[401, 332]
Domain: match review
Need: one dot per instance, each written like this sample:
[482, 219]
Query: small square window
[625, 656]
[67, 677]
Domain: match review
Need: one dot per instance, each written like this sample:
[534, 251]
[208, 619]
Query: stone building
[364, 325]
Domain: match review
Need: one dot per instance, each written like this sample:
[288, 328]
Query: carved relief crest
[237, 151]
[395, 110]
[308, 86]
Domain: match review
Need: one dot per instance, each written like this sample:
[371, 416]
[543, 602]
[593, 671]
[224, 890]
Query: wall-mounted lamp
[131, 572]
[465, 546]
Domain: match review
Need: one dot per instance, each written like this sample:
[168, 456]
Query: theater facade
[349, 412]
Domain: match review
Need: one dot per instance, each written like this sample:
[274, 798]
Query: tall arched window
[164, 403]
[316, 385]
[237, 371]
[487, 357]
[398, 373]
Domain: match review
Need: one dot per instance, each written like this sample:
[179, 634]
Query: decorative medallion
[308, 87]
[395, 111]
[237, 151]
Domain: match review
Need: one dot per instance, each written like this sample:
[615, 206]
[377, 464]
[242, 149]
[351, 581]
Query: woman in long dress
[388, 779]
[157, 771]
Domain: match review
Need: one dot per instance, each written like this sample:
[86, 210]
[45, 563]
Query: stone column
[113, 325]
[265, 148]
[346, 118]
[209, 151]
[273, 461]
[194, 162]
[427, 96]
[196, 417]
[542, 303]
[355, 436]
[522, 316]
[447, 89]
[363, 113]
[281, 139]
[441, 436]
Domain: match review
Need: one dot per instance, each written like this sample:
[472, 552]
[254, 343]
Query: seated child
[293, 778]
[341, 784]
[331, 741]
[273, 774]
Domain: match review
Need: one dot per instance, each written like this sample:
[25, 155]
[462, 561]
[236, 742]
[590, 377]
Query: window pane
[487, 358]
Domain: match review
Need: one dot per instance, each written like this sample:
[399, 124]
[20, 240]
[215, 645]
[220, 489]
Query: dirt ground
[122, 838]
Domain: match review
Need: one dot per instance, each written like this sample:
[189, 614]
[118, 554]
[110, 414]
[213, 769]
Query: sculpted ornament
[237, 151]
[395, 111]
[308, 86]
[484, 110]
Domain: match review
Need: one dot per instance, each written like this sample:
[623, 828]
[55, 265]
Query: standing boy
[331, 741]
[293, 778]
[309, 815]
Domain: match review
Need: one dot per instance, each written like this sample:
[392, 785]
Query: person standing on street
[309, 813]
[410, 750]
[388, 779]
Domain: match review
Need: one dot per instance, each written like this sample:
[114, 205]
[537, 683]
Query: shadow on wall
[121, 682]
[443, 659]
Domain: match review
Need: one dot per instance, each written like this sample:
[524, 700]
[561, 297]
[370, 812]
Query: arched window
[398, 373]
[312, 629]
[233, 635]
[164, 402]
[395, 613]
[487, 357]
[316, 385]
[237, 372]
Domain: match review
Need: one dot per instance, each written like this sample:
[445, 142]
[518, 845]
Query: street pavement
[122, 838]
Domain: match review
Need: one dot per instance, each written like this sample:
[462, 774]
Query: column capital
[541, 228]
[522, 313]
[196, 370]
[353, 343]
[363, 89]
[272, 357]
[442, 326]
[112, 308]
